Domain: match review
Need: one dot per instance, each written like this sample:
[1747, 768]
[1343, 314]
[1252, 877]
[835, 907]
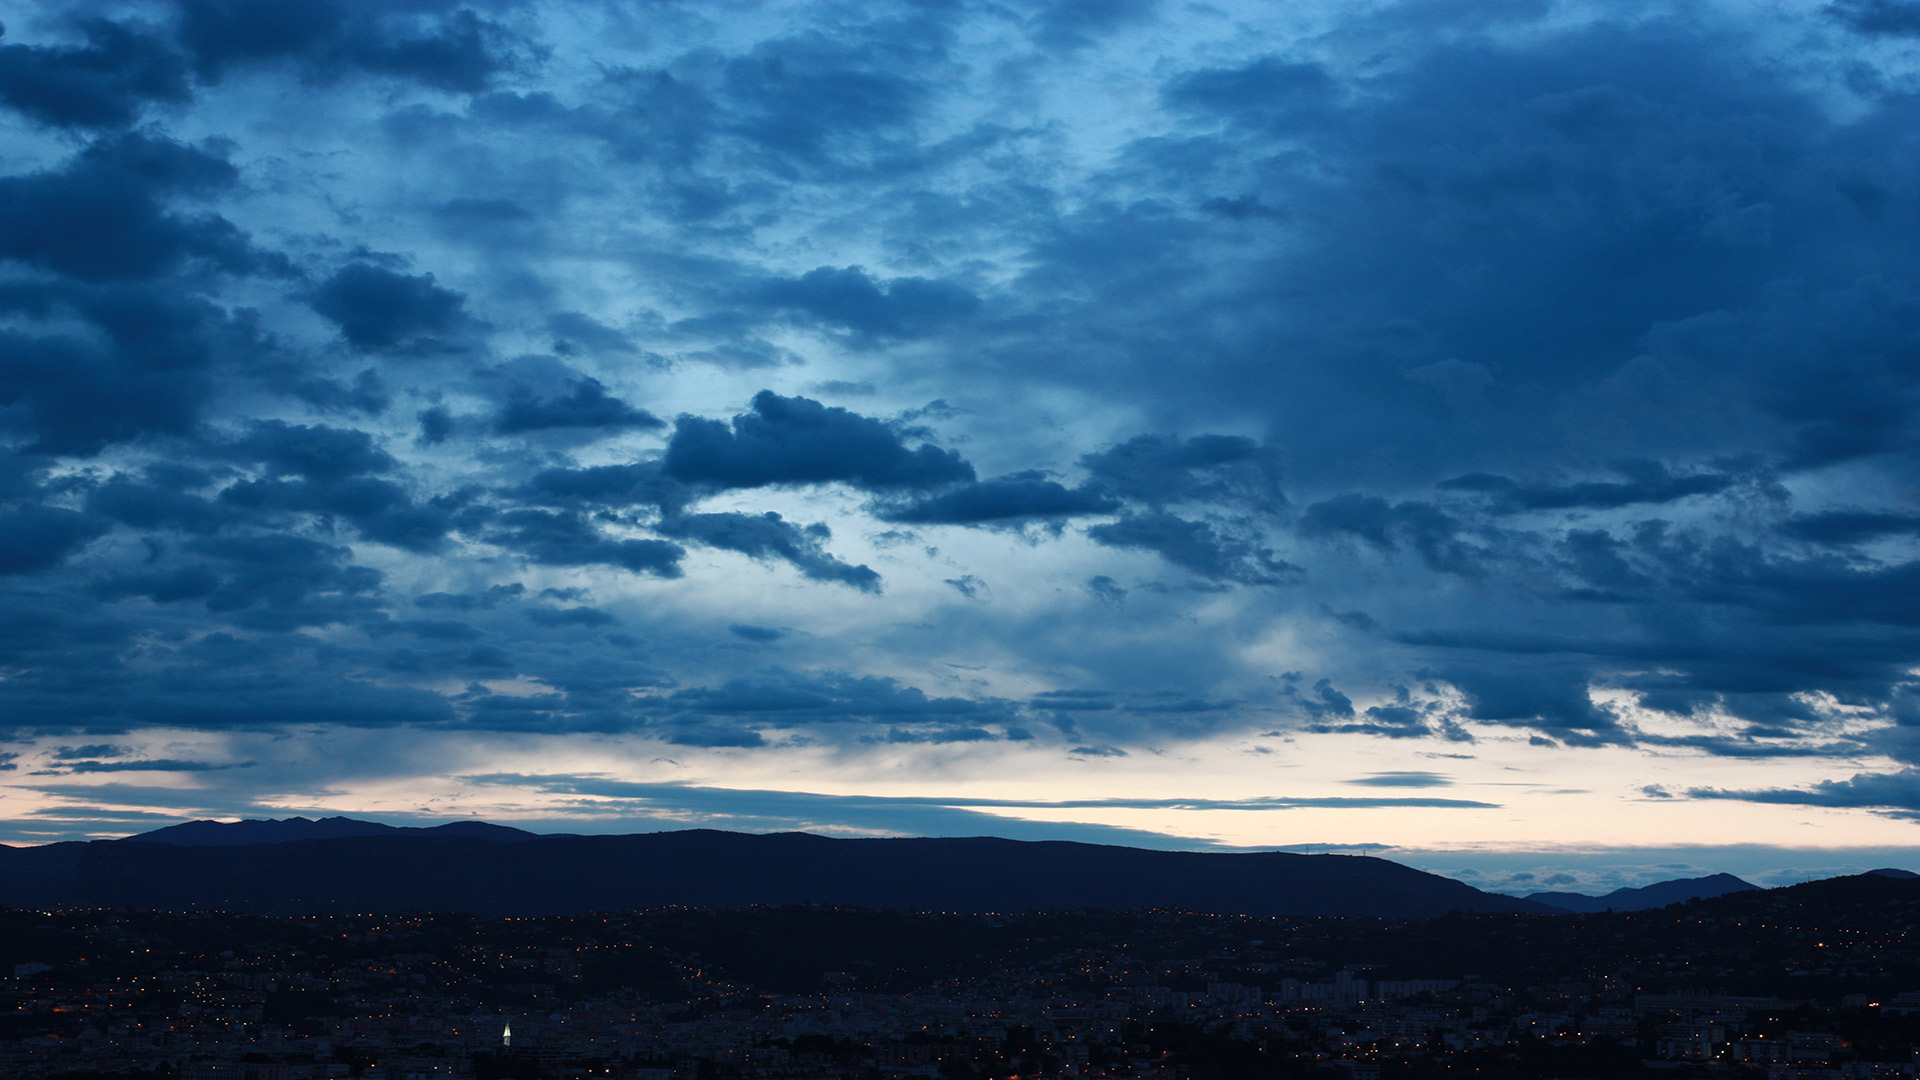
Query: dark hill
[1875, 891]
[281, 831]
[1657, 895]
[427, 870]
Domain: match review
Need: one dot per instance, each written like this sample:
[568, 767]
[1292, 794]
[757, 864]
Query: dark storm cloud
[280, 581]
[1437, 536]
[494, 596]
[1070, 24]
[194, 582]
[586, 405]
[1074, 700]
[103, 216]
[142, 367]
[1834, 384]
[713, 736]
[1160, 469]
[1007, 499]
[1673, 662]
[1839, 527]
[640, 484]
[573, 616]
[784, 698]
[562, 539]
[1330, 711]
[1553, 700]
[1196, 546]
[90, 750]
[1892, 18]
[440, 45]
[255, 700]
[39, 630]
[310, 470]
[1603, 563]
[1325, 700]
[146, 504]
[366, 393]
[380, 509]
[1779, 743]
[435, 629]
[1367, 517]
[846, 103]
[811, 707]
[812, 102]
[800, 441]
[109, 348]
[1894, 793]
[219, 34]
[436, 425]
[1388, 722]
[314, 452]
[1647, 482]
[378, 309]
[104, 83]
[573, 330]
[74, 678]
[35, 537]
[769, 536]
[1536, 164]
[847, 298]
[1817, 591]
[1268, 93]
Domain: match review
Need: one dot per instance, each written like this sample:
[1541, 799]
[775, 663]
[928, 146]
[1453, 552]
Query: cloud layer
[1426, 376]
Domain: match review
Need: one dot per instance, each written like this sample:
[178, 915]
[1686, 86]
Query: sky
[1476, 432]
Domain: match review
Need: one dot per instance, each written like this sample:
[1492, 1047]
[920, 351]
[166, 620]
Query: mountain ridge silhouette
[289, 867]
[1659, 894]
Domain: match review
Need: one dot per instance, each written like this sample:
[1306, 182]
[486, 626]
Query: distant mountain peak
[1659, 894]
[206, 833]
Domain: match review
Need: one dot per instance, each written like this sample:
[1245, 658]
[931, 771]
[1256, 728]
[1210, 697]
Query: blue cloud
[1896, 793]
[378, 308]
[1196, 546]
[849, 299]
[453, 50]
[1004, 500]
[769, 535]
[800, 441]
[587, 405]
[102, 84]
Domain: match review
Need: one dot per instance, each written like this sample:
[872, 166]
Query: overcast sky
[1481, 432]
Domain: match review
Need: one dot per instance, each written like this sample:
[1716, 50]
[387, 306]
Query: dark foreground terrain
[1817, 980]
